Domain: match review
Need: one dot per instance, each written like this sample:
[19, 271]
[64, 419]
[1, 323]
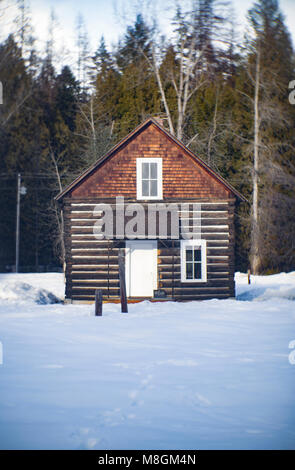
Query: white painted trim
[184, 244]
[139, 162]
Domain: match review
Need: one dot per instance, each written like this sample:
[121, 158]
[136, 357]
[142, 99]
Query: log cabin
[171, 215]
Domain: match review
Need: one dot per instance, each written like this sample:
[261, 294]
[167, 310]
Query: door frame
[128, 247]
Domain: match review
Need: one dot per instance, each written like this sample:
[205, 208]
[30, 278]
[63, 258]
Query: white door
[141, 268]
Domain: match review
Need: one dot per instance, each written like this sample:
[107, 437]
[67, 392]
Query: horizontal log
[81, 230]
[163, 268]
[218, 264]
[189, 298]
[213, 229]
[84, 237]
[215, 236]
[186, 298]
[112, 252]
[92, 264]
[92, 242]
[169, 244]
[89, 273]
[113, 269]
[177, 275]
[89, 214]
[111, 279]
[99, 276]
[178, 284]
[196, 290]
[91, 298]
[82, 223]
[97, 260]
[215, 271]
[212, 248]
[165, 272]
[90, 291]
[212, 240]
[206, 233]
[209, 222]
[211, 252]
[184, 217]
[95, 284]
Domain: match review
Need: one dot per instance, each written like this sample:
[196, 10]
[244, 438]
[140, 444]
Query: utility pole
[21, 191]
[17, 223]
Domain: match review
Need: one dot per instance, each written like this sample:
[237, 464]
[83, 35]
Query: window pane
[189, 270]
[154, 172]
[197, 253]
[154, 188]
[189, 254]
[145, 170]
[197, 271]
[145, 188]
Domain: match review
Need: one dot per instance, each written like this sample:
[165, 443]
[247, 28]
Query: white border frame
[183, 245]
[139, 162]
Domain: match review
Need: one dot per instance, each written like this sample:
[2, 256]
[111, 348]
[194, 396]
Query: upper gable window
[149, 178]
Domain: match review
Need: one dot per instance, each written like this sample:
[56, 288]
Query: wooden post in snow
[249, 278]
[98, 303]
[121, 259]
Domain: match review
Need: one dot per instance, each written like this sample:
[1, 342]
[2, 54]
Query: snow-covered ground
[199, 375]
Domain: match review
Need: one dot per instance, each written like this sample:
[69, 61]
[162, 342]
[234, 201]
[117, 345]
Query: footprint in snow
[86, 439]
[134, 394]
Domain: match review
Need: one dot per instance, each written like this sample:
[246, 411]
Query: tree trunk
[60, 215]
[255, 257]
[162, 92]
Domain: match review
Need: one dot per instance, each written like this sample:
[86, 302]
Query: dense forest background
[227, 100]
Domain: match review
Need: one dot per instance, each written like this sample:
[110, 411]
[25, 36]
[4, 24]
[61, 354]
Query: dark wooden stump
[121, 259]
[98, 303]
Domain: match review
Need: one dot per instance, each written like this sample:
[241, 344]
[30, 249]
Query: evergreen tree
[136, 44]
[268, 68]
[102, 58]
[67, 96]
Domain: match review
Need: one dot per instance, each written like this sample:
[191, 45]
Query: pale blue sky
[110, 17]
[107, 16]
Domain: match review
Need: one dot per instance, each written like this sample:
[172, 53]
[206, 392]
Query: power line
[30, 175]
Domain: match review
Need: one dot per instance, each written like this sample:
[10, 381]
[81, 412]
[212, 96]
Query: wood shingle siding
[182, 177]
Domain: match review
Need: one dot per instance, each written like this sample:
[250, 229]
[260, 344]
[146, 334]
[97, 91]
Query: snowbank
[41, 288]
[280, 286]
[47, 288]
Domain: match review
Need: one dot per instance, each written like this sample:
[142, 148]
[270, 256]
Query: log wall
[93, 263]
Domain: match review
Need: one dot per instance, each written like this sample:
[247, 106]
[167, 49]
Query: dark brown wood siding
[183, 177]
[93, 264]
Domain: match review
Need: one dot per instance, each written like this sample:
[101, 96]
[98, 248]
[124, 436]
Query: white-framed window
[149, 178]
[193, 256]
